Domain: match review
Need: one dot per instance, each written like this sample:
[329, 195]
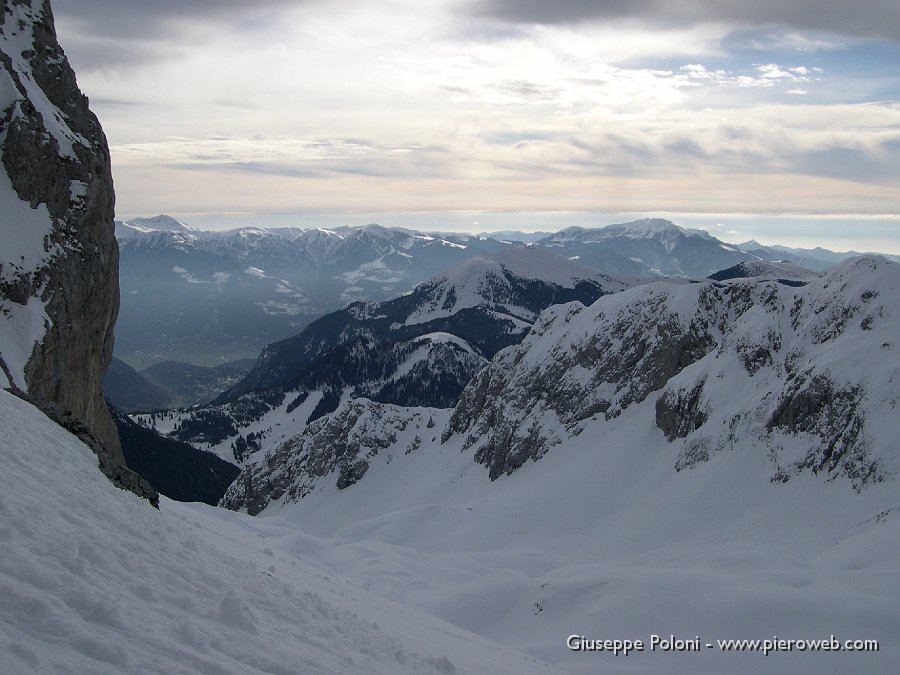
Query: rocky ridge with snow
[59, 293]
[796, 374]
[340, 444]
[799, 369]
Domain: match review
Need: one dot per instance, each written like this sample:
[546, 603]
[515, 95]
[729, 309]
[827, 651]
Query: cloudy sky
[774, 119]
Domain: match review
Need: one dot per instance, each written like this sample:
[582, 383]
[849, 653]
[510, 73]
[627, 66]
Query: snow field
[94, 580]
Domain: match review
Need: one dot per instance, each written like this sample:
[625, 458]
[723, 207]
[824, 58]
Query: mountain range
[208, 298]
[421, 348]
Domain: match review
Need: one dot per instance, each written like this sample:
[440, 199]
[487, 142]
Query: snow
[17, 39]
[160, 223]
[602, 537]
[609, 542]
[21, 328]
[23, 231]
[420, 354]
[187, 276]
[376, 270]
[94, 580]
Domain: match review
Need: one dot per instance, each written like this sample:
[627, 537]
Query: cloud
[139, 19]
[863, 18]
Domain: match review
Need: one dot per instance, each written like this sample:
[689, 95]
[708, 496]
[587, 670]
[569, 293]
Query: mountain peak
[161, 222]
[644, 228]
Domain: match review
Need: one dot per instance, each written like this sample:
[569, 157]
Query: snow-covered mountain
[419, 349]
[139, 226]
[808, 363]
[647, 246]
[486, 303]
[713, 459]
[207, 297]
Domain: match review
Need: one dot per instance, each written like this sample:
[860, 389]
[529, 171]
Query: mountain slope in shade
[95, 581]
[130, 391]
[175, 469]
[488, 302]
[782, 271]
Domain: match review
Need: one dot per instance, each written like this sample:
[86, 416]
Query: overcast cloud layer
[862, 18]
[282, 106]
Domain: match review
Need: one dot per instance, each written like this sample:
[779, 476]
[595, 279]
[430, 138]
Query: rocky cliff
[59, 293]
[805, 375]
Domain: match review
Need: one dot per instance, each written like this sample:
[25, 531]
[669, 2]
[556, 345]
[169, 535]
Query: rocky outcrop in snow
[803, 372]
[334, 448]
[59, 293]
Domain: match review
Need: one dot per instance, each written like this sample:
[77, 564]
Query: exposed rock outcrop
[802, 379]
[802, 374]
[337, 446]
[59, 292]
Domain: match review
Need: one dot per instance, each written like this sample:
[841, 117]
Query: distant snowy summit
[136, 226]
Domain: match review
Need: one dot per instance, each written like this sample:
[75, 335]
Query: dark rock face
[56, 157]
[679, 412]
[832, 416]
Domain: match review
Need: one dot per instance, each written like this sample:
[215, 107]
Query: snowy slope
[93, 580]
[732, 474]
[819, 361]
[610, 542]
